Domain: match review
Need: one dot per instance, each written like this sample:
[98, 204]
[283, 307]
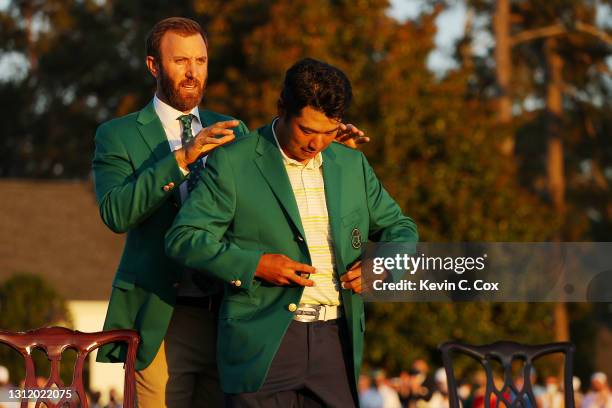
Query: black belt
[210, 302]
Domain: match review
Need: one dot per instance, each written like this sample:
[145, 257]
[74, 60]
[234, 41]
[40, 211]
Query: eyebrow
[204, 57]
[305, 128]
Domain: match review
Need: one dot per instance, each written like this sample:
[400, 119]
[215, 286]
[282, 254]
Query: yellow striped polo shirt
[309, 190]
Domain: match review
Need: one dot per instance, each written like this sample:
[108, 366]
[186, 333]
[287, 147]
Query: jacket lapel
[270, 164]
[332, 176]
[152, 132]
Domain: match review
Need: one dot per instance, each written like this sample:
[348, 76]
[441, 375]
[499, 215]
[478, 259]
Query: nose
[316, 143]
[189, 70]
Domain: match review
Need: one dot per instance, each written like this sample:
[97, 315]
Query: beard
[172, 91]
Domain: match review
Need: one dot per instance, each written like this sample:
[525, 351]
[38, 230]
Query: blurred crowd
[421, 387]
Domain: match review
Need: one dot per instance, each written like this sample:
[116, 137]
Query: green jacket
[243, 207]
[132, 164]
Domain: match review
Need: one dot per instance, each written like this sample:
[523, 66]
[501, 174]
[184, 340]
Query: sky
[451, 24]
[452, 21]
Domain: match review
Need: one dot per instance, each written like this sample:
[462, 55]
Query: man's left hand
[352, 279]
[351, 136]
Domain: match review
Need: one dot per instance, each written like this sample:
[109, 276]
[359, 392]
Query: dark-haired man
[281, 216]
[144, 168]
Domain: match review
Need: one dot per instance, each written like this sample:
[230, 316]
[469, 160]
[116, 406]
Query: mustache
[190, 82]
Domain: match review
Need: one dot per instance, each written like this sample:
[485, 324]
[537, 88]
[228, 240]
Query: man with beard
[144, 167]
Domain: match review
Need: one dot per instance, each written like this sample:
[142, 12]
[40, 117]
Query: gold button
[237, 282]
[166, 188]
[233, 282]
[292, 307]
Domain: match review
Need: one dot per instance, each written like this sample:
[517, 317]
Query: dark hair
[179, 25]
[316, 84]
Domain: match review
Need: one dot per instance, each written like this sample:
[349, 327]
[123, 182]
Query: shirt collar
[169, 115]
[313, 163]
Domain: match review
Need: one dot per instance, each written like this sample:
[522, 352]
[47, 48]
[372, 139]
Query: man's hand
[350, 136]
[281, 270]
[352, 279]
[205, 142]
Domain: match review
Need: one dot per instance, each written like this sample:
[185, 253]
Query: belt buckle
[307, 313]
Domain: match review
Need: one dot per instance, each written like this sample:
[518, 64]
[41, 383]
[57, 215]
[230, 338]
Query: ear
[152, 66]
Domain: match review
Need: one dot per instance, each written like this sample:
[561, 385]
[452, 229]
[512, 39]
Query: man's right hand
[205, 142]
[281, 270]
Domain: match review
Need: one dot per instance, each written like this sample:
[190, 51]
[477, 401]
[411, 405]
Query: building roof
[53, 229]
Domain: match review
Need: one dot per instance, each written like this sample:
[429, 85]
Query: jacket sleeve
[196, 239]
[126, 198]
[387, 222]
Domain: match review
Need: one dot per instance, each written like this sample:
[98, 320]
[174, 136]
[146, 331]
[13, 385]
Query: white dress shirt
[173, 128]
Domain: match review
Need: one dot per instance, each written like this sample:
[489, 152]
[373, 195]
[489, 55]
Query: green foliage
[28, 302]
[400, 333]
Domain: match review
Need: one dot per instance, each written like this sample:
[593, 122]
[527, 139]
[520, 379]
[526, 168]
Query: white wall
[88, 316]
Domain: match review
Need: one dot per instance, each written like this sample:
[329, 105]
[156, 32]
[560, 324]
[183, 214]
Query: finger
[302, 267]
[226, 124]
[299, 280]
[355, 132]
[341, 137]
[362, 140]
[219, 140]
[347, 285]
[350, 275]
[220, 131]
[355, 265]
[209, 147]
[354, 285]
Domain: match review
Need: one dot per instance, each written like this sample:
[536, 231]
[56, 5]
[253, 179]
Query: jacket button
[237, 283]
[166, 188]
[300, 238]
[292, 307]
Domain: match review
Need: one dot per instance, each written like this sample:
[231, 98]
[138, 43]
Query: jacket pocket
[241, 304]
[124, 281]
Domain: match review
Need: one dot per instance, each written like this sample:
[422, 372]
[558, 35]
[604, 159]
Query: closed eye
[309, 131]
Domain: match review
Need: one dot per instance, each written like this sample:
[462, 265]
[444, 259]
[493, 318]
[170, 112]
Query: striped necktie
[186, 137]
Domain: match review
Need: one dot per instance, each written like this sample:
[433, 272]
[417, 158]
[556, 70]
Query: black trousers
[312, 368]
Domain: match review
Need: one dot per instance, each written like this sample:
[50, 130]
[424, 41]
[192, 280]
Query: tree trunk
[503, 68]
[554, 159]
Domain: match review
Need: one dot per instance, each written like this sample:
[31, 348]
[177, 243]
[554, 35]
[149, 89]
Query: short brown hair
[179, 25]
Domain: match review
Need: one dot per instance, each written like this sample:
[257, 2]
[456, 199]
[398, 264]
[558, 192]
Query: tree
[27, 302]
